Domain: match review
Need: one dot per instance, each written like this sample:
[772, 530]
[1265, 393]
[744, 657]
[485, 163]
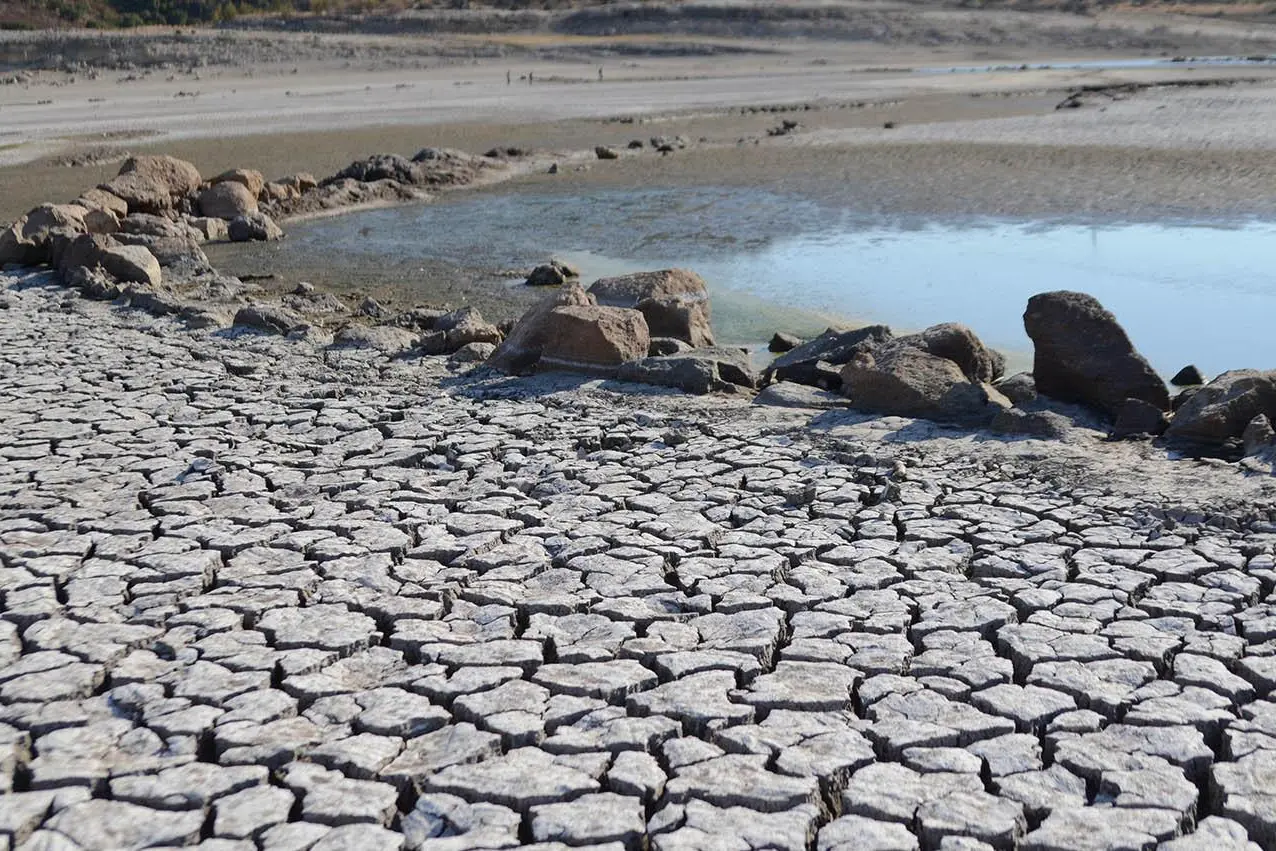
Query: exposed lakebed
[1201, 292]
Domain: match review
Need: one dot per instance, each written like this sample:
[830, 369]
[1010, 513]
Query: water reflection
[1186, 292]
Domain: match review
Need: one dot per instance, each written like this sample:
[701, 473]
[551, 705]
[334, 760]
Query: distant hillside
[34, 14]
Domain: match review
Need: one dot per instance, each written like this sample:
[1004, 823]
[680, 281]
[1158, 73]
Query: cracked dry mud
[261, 595]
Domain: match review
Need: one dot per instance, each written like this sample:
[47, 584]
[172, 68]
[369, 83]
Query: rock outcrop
[1082, 355]
[675, 302]
[1220, 411]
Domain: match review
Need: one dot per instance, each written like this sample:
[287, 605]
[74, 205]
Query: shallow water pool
[1200, 292]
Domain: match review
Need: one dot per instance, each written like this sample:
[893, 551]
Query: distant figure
[507, 78]
[531, 77]
[600, 73]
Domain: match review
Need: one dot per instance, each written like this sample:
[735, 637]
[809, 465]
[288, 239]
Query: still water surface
[1202, 292]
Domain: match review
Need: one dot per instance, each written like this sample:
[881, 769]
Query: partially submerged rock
[675, 302]
[254, 227]
[1188, 376]
[1082, 354]
[555, 273]
[781, 342]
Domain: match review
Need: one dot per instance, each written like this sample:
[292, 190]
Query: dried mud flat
[257, 593]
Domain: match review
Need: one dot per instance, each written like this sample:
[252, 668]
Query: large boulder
[1220, 411]
[959, 344]
[818, 362]
[54, 218]
[1083, 355]
[145, 224]
[251, 179]
[907, 381]
[698, 371]
[522, 347]
[593, 338]
[178, 177]
[675, 302]
[28, 241]
[16, 248]
[227, 200]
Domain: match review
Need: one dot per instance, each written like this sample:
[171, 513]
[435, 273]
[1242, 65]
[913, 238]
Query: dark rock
[661, 346]
[1018, 423]
[1083, 355]
[832, 348]
[782, 342]
[1136, 418]
[675, 302]
[905, 381]
[1182, 396]
[604, 152]
[1188, 376]
[552, 274]
[381, 167]
[636, 144]
[1258, 436]
[1220, 411]
[1020, 388]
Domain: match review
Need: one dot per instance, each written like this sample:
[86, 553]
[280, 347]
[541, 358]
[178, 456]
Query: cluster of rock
[649, 327]
[654, 328]
[139, 237]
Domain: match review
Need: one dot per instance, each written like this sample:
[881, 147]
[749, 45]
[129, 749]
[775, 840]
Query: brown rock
[140, 193]
[675, 302]
[593, 339]
[178, 177]
[50, 218]
[209, 229]
[522, 347]
[124, 263]
[1083, 355]
[16, 248]
[466, 326]
[1259, 435]
[906, 381]
[101, 221]
[254, 227]
[250, 179]
[959, 344]
[227, 200]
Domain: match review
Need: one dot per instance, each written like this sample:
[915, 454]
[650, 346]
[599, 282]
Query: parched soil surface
[258, 594]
